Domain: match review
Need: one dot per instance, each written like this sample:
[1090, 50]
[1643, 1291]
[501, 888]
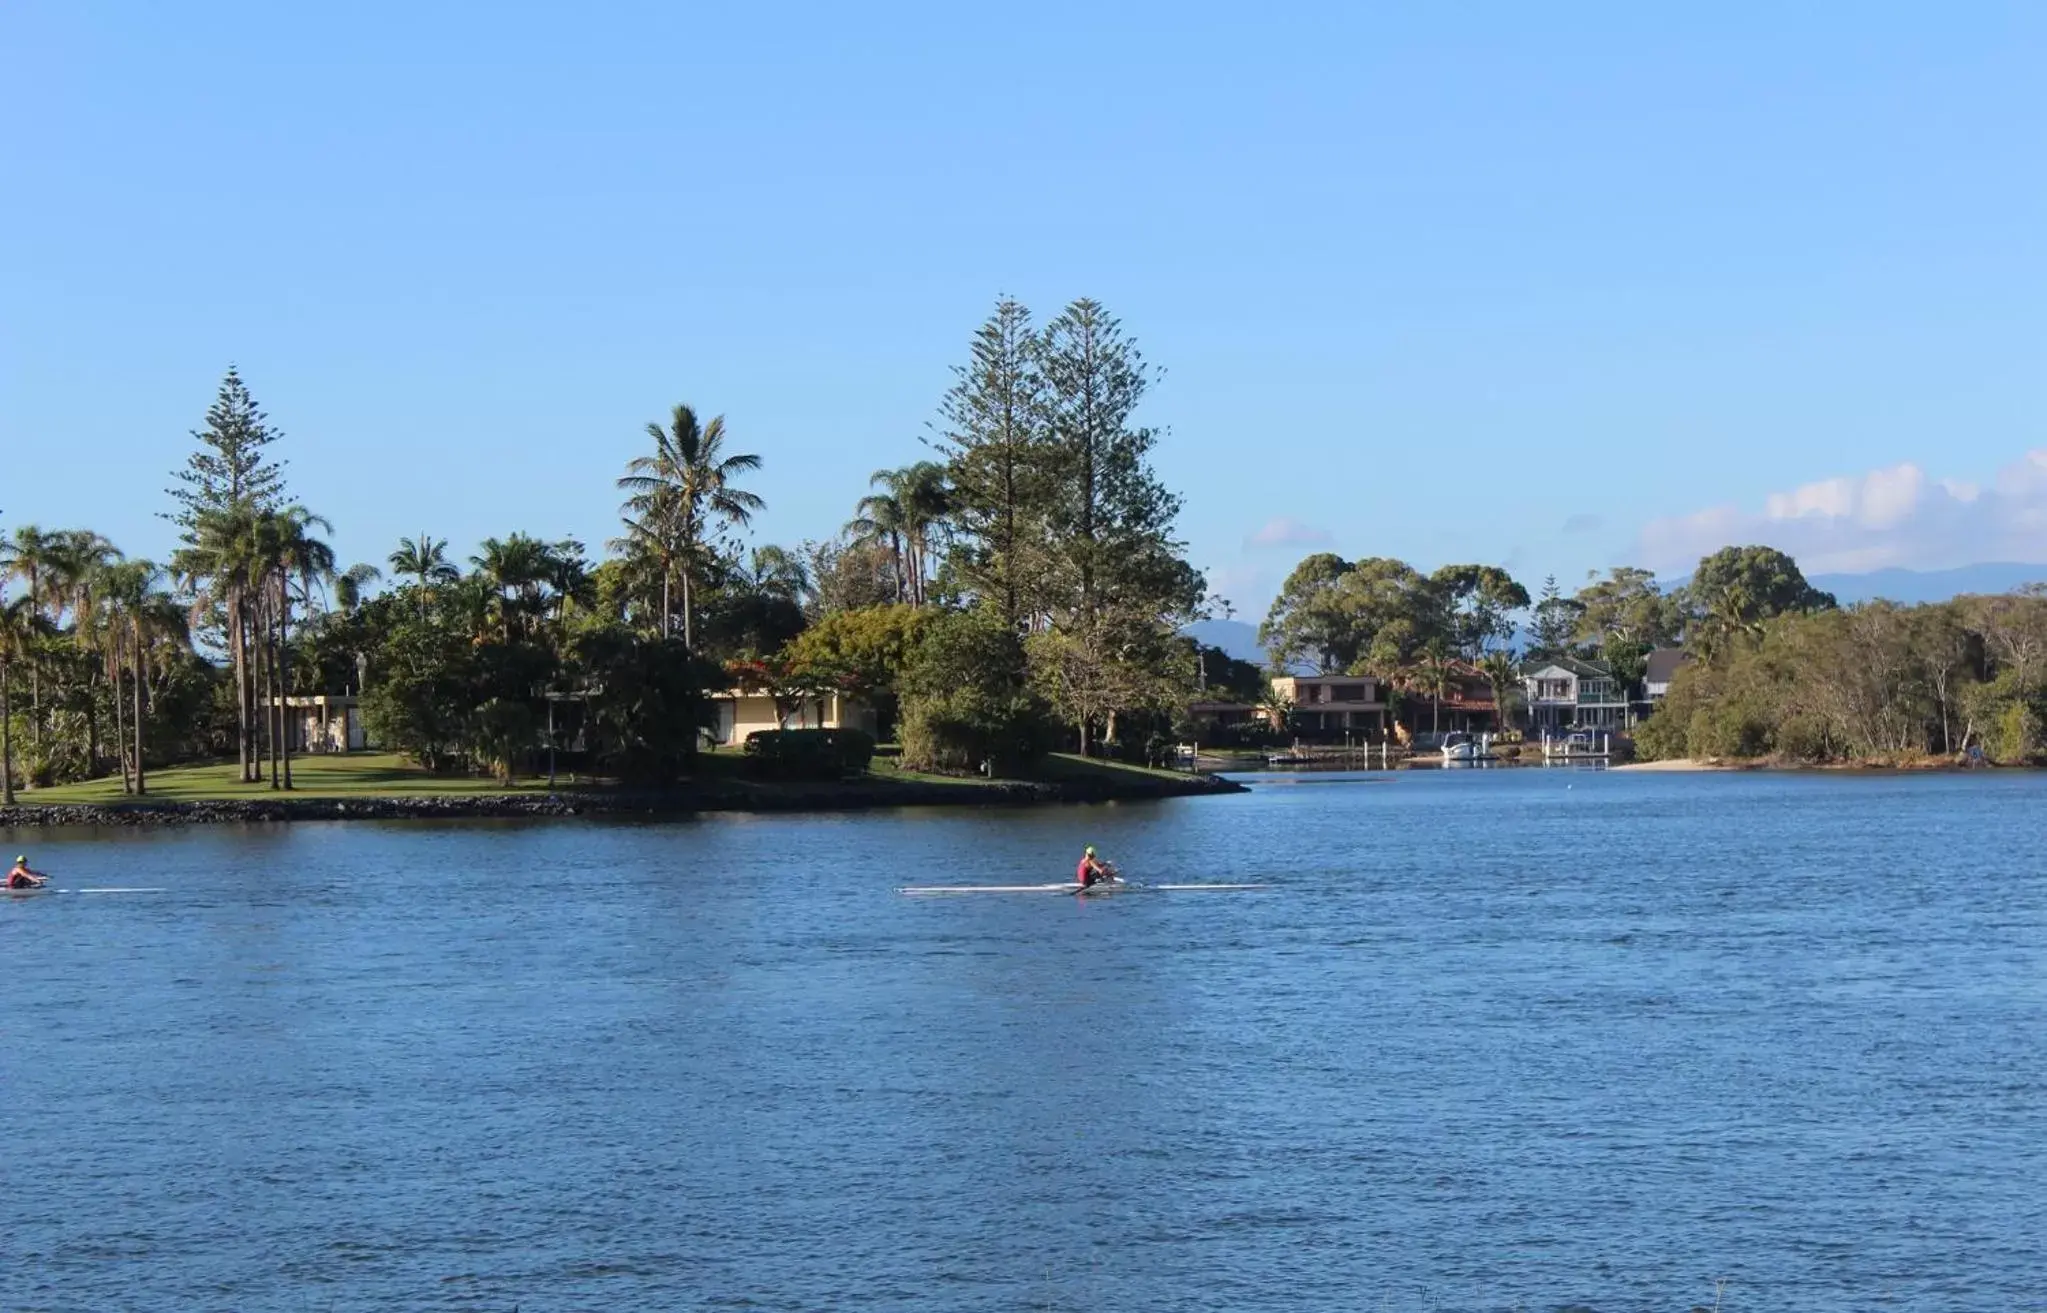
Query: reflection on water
[1493, 1039]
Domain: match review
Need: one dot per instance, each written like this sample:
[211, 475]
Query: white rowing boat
[1073, 887]
[101, 889]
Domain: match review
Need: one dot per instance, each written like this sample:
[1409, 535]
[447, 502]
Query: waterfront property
[1333, 706]
[1211, 716]
[1466, 706]
[323, 722]
[1567, 693]
[1661, 668]
[739, 712]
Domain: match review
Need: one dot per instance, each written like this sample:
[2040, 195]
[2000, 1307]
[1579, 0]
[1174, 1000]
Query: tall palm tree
[349, 585]
[131, 608]
[927, 499]
[294, 557]
[425, 560]
[1429, 673]
[27, 557]
[79, 574]
[683, 494]
[19, 622]
[221, 569]
[519, 568]
[1498, 669]
[882, 519]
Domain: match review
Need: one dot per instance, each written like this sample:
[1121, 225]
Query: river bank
[865, 794]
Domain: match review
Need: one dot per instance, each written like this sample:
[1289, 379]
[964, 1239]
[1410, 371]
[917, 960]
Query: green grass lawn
[386, 775]
[355, 775]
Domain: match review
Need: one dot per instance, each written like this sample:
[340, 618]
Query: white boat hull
[1071, 887]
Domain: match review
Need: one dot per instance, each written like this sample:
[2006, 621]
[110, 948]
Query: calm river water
[1498, 1040]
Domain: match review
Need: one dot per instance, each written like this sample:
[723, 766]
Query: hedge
[808, 754]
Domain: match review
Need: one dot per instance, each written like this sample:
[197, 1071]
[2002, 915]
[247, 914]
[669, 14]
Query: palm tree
[129, 597]
[293, 556]
[28, 557]
[882, 519]
[349, 584]
[1498, 669]
[424, 559]
[681, 496]
[1429, 673]
[78, 574]
[19, 622]
[220, 569]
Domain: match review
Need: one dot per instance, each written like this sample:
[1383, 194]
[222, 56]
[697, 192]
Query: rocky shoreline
[689, 800]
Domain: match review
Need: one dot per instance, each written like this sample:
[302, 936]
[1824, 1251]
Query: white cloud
[1897, 516]
[1285, 532]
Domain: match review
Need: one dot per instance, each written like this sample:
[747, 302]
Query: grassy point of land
[386, 775]
[356, 775]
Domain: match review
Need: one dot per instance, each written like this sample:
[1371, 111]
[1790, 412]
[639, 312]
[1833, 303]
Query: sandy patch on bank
[1676, 763]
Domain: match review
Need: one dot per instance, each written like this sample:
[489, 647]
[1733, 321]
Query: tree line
[1018, 590]
[1383, 617]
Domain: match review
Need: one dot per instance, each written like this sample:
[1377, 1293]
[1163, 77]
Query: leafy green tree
[846, 574]
[966, 702]
[862, 653]
[1755, 583]
[1223, 678]
[420, 701]
[681, 495]
[1479, 605]
[651, 710]
[1367, 617]
[1627, 606]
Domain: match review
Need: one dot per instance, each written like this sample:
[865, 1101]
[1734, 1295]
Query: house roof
[1663, 664]
[1575, 665]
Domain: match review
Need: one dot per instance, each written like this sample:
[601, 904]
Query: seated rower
[1093, 871]
[23, 878]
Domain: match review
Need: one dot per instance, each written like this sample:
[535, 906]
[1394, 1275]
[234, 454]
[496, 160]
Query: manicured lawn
[358, 774]
[386, 775]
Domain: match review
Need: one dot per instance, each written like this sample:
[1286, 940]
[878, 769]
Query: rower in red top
[23, 878]
[1093, 871]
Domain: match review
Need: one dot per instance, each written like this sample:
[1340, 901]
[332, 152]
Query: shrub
[808, 754]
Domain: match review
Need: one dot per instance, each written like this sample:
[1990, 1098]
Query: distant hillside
[1235, 637]
[1911, 586]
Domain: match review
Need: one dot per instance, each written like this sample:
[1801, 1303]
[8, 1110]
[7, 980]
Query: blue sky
[1553, 286]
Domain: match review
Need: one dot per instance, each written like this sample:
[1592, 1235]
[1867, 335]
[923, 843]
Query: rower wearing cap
[23, 878]
[1092, 871]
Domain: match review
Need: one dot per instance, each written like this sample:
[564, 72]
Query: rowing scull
[1071, 887]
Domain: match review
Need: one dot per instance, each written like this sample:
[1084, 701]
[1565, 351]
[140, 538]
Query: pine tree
[229, 473]
[225, 488]
[1555, 621]
[998, 456]
[1110, 517]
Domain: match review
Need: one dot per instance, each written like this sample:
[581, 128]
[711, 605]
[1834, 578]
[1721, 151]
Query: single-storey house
[739, 712]
[324, 722]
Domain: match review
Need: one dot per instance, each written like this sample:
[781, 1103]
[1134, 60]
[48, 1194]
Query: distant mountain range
[1911, 586]
[1235, 637]
[1240, 639]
